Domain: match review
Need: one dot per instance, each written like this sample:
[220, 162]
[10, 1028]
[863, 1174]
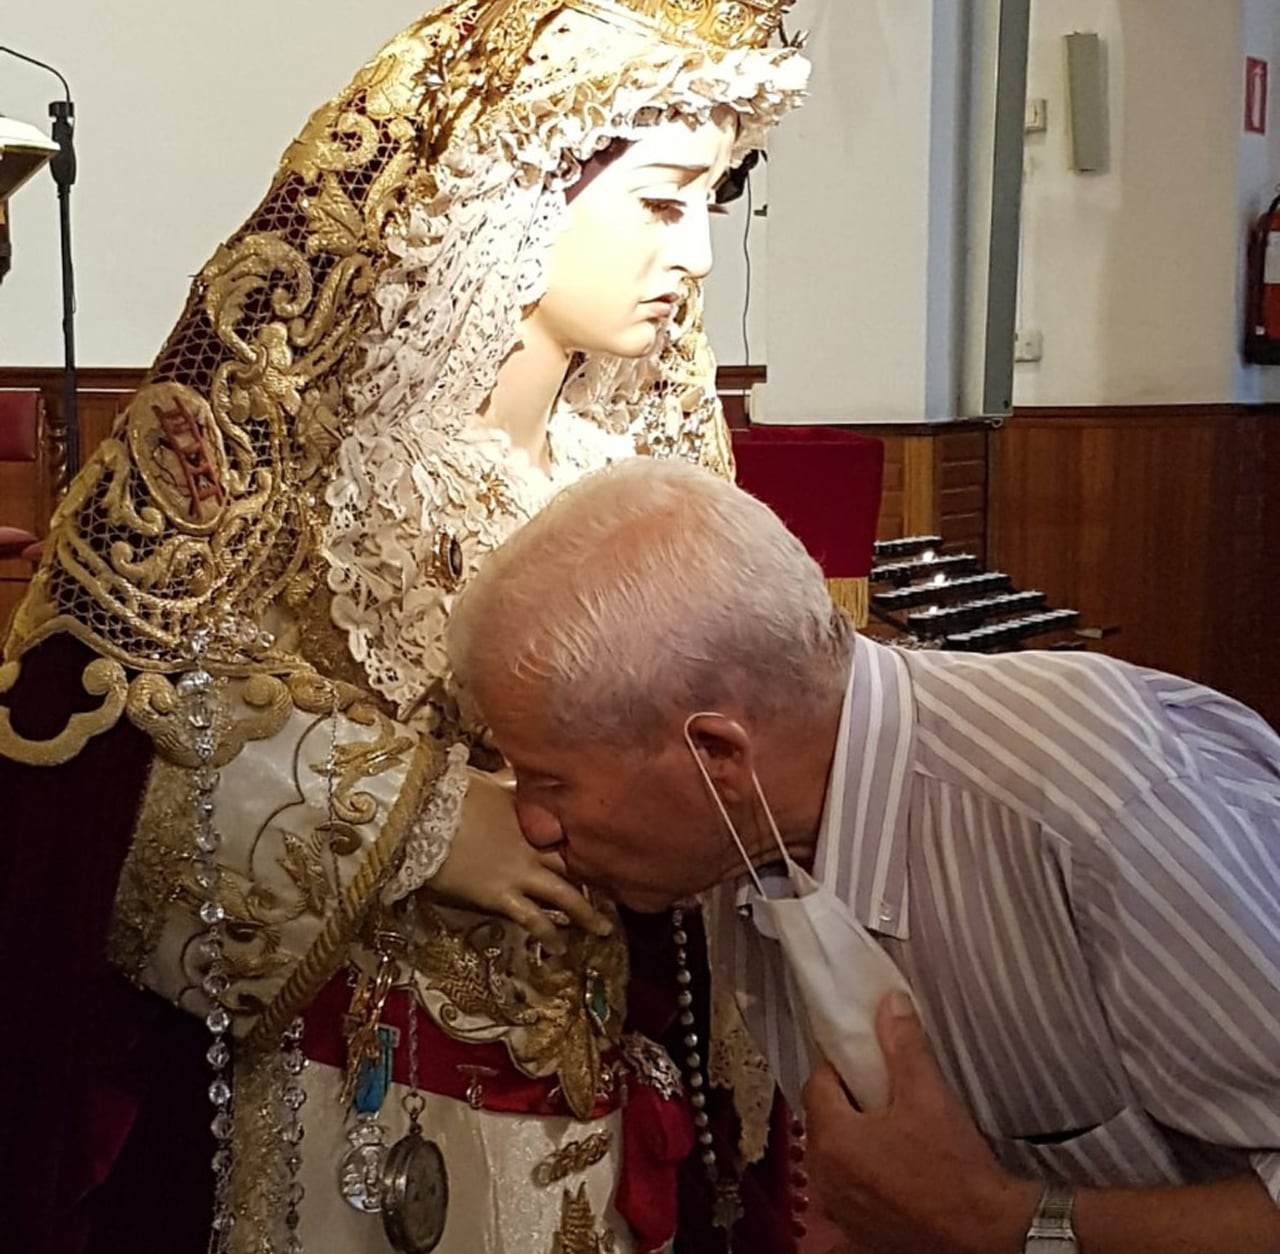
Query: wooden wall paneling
[1151, 523]
[1241, 601]
[29, 491]
[935, 481]
[734, 384]
[962, 491]
[919, 485]
[102, 392]
[98, 414]
[19, 497]
[22, 504]
[1163, 523]
[88, 378]
[890, 525]
[1081, 510]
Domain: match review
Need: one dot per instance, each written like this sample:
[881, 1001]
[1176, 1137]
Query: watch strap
[1052, 1219]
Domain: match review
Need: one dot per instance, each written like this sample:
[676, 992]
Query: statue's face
[634, 233]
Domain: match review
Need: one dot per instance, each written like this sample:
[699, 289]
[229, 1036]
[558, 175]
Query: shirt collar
[861, 854]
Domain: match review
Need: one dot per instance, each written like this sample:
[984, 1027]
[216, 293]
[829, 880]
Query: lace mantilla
[443, 500]
[737, 1065]
[652, 1066]
[431, 833]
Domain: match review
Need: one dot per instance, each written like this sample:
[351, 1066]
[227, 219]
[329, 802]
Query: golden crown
[721, 23]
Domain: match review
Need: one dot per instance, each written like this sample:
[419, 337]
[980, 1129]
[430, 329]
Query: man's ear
[724, 748]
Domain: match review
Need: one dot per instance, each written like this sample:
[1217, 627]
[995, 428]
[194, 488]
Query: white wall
[734, 287]
[849, 226]
[183, 111]
[1131, 274]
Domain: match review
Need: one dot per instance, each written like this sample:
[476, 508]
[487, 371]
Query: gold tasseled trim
[322, 959]
[852, 596]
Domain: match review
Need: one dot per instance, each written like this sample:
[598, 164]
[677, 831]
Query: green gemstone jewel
[597, 1001]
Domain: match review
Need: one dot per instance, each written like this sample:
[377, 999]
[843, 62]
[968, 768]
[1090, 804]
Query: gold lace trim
[101, 678]
[257, 1182]
[557, 1016]
[159, 873]
[155, 707]
[578, 1233]
[734, 1063]
[725, 23]
[572, 1159]
[207, 498]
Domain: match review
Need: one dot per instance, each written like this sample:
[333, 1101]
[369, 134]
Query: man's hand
[917, 1175]
[492, 867]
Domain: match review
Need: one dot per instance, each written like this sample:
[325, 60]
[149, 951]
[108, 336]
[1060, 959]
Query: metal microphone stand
[63, 167]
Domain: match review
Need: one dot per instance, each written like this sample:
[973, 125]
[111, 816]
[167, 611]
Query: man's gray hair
[646, 590]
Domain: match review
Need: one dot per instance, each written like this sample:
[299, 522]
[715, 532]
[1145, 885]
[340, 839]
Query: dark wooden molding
[739, 378]
[1059, 415]
[903, 430]
[88, 378]
[1149, 415]
[107, 383]
[731, 379]
[127, 378]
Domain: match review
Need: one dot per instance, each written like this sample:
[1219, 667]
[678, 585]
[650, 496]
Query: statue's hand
[492, 867]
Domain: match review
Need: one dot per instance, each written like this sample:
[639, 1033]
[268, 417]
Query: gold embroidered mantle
[204, 500]
[311, 821]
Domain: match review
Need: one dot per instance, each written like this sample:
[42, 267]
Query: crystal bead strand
[196, 687]
[292, 1059]
[291, 1132]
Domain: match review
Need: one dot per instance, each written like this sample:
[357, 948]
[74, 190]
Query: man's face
[635, 822]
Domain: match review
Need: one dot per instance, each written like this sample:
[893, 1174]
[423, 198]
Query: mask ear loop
[724, 813]
[773, 826]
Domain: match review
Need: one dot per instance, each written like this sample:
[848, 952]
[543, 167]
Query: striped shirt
[1076, 865]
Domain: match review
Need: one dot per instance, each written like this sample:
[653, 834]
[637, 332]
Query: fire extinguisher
[1262, 317]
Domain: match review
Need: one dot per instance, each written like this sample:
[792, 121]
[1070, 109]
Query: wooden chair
[21, 428]
[824, 482]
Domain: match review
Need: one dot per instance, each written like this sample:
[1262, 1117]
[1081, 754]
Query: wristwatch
[1051, 1231]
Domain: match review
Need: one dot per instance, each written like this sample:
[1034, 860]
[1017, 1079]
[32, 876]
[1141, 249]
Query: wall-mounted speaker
[1086, 102]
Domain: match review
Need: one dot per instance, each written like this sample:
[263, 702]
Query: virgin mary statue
[262, 893]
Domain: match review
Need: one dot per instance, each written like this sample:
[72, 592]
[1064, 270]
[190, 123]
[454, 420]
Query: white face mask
[837, 973]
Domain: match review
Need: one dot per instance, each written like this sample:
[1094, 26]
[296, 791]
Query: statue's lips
[659, 307]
